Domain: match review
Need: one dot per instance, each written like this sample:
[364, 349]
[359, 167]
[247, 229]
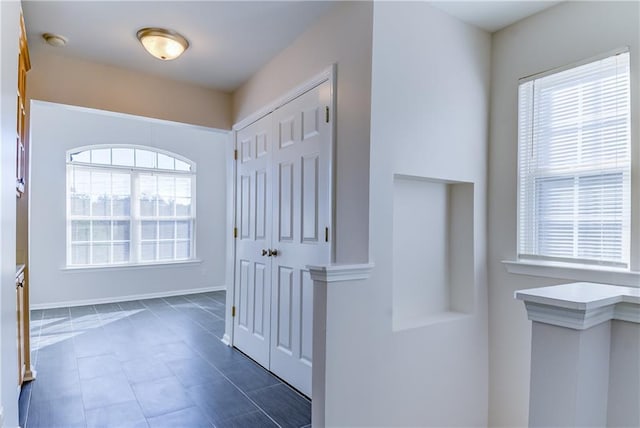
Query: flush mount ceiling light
[161, 43]
[54, 40]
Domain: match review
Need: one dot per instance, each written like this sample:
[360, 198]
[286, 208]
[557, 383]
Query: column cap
[581, 305]
[338, 273]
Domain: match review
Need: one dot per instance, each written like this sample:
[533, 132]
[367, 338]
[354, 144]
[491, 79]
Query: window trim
[564, 268]
[574, 272]
[125, 266]
[550, 71]
[134, 217]
[129, 146]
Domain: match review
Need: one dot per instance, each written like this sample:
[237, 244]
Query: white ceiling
[492, 15]
[229, 40]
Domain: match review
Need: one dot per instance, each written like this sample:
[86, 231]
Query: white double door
[283, 219]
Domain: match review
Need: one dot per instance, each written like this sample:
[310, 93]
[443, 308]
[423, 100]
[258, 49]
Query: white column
[569, 376]
[571, 342]
[323, 277]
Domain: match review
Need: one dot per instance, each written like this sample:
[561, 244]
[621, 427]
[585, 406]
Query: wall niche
[433, 272]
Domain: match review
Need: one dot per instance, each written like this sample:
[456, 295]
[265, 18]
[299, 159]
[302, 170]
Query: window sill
[603, 275]
[130, 266]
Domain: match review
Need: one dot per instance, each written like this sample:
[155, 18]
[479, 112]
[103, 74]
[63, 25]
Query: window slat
[574, 164]
[120, 215]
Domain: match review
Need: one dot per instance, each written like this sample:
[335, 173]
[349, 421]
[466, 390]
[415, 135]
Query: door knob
[273, 253]
[264, 253]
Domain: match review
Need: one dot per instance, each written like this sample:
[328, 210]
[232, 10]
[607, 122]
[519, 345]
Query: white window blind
[574, 164]
[99, 216]
[129, 205]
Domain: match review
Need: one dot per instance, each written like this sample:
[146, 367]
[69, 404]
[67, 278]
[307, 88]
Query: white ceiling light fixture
[162, 43]
[55, 40]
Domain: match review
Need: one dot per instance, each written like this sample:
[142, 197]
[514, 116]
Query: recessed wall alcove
[433, 278]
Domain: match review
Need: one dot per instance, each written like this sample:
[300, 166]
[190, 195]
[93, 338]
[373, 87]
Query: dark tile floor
[149, 363]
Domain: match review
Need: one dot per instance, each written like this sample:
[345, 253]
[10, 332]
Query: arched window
[129, 205]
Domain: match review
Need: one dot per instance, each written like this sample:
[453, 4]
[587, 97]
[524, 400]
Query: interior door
[253, 221]
[302, 213]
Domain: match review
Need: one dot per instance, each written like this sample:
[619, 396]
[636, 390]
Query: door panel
[306, 317]
[243, 294]
[261, 206]
[286, 131]
[261, 145]
[245, 150]
[253, 270]
[260, 304]
[284, 309]
[310, 122]
[301, 167]
[285, 201]
[245, 207]
[310, 202]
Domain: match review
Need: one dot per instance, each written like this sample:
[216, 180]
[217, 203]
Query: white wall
[343, 36]
[56, 128]
[9, 30]
[429, 115]
[624, 375]
[569, 32]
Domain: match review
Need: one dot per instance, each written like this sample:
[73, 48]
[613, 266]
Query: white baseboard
[124, 298]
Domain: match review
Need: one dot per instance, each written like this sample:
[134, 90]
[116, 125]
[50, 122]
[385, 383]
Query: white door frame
[329, 74]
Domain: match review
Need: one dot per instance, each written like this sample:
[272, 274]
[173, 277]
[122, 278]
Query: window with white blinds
[129, 205]
[574, 163]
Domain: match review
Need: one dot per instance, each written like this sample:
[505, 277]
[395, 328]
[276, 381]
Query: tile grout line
[206, 331]
[282, 382]
[75, 354]
[202, 308]
[224, 376]
[38, 355]
[205, 309]
[150, 309]
[188, 320]
[129, 321]
[197, 305]
[144, 308]
[121, 309]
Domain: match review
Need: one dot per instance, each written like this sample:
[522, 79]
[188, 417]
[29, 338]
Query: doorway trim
[329, 74]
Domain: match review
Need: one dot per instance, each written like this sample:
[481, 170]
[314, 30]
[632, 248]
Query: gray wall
[56, 128]
[624, 375]
[569, 32]
[343, 37]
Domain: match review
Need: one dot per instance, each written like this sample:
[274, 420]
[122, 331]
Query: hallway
[149, 363]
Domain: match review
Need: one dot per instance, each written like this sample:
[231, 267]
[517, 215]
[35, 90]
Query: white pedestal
[570, 351]
[322, 277]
